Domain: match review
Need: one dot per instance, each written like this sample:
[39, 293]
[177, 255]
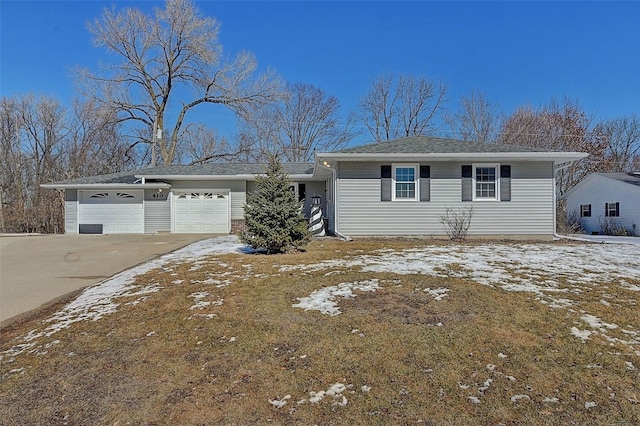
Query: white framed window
[612, 209]
[585, 210]
[405, 182]
[485, 181]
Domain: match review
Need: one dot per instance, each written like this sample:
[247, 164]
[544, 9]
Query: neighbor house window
[485, 181]
[612, 209]
[585, 210]
[405, 182]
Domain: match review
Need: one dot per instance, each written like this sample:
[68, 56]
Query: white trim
[249, 177]
[416, 181]
[496, 182]
[92, 186]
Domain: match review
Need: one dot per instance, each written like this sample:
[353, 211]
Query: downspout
[334, 183]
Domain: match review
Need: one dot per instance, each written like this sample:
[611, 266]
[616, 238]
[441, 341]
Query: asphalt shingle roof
[223, 169]
[433, 145]
[212, 169]
[630, 178]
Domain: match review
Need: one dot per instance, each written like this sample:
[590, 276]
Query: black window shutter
[467, 183]
[606, 209]
[505, 183]
[425, 183]
[385, 183]
[617, 209]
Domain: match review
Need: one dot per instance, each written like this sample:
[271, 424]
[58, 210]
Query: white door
[201, 213]
[118, 211]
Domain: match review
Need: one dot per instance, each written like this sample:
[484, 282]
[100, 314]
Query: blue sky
[514, 52]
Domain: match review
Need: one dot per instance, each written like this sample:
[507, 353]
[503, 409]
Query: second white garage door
[201, 213]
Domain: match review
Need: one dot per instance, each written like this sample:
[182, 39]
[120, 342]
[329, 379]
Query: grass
[402, 356]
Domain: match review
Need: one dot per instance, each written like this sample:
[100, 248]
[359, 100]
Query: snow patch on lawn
[100, 299]
[325, 299]
[555, 274]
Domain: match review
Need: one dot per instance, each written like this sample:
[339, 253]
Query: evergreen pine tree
[272, 215]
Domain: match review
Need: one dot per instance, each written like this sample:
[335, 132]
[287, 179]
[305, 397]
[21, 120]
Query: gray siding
[360, 212]
[71, 211]
[157, 212]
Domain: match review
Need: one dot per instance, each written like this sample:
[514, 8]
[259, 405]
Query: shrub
[457, 222]
[573, 224]
[609, 226]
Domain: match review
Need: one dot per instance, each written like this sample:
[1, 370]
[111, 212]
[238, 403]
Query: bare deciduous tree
[41, 141]
[170, 63]
[203, 145]
[406, 106]
[477, 119]
[559, 126]
[623, 142]
[307, 119]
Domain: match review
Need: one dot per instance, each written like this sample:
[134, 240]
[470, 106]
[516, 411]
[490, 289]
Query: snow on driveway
[555, 274]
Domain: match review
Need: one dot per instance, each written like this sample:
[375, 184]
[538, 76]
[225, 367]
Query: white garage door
[201, 212]
[118, 211]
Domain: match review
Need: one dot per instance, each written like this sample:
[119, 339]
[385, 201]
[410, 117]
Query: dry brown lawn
[220, 342]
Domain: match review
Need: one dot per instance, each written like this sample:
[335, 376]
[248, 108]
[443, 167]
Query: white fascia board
[197, 177]
[218, 177]
[558, 157]
[155, 185]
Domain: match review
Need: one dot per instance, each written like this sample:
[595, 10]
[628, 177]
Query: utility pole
[153, 143]
[157, 135]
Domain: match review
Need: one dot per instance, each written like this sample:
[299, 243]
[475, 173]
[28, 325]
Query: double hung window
[485, 182]
[405, 182]
[612, 209]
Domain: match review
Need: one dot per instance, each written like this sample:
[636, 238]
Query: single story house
[394, 188]
[607, 202]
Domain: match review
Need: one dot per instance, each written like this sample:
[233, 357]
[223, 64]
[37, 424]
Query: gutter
[154, 185]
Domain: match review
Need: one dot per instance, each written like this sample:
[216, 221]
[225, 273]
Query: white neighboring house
[604, 200]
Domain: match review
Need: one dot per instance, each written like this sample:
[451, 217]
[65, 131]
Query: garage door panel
[201, 212]
[118, 211]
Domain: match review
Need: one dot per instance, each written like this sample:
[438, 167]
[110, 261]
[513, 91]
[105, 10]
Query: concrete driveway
[37, 269]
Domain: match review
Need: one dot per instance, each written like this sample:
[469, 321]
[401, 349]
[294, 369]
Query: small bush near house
[573, 224]
[609, 226]
[273, 216]
[457, 222]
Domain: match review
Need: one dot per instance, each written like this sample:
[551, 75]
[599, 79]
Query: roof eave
[302, 176]
[154, 185]
[559, 157]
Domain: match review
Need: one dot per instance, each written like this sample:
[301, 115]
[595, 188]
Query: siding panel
[530, 211]
[157, 212]
[71, 211]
